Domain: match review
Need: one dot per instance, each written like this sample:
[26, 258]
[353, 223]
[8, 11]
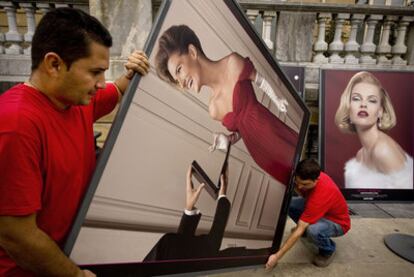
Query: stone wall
[294, 36]
[129, 22]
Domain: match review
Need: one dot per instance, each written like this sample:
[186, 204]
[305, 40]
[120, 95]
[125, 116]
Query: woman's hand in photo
[220, 142]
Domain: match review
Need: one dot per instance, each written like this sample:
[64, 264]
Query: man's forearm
[290, 242]
[38, 253]
[122, 83]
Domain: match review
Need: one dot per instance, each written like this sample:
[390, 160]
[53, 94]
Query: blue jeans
[320, 232]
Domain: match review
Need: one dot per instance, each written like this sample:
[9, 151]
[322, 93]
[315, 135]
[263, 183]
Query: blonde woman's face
[365, 105]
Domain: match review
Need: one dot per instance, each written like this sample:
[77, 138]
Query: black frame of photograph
[293, 71]
[182, 266]
[362, 194]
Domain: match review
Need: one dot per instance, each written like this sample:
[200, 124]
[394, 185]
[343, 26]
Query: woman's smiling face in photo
[185, 69]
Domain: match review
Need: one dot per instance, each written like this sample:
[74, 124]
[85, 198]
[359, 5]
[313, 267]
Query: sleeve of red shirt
[315, 209]
[105, 101]
[20, 177]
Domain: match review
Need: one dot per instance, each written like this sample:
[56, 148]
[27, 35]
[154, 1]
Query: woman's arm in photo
[236, 62]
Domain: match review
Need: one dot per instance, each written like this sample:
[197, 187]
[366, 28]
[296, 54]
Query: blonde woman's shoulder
[387, 155]
[358, 156]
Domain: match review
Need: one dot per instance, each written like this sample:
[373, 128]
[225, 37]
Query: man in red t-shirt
[46, 140]
[320, 213]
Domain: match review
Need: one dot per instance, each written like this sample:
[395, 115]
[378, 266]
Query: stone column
[252, 15]
[399, 48]
[1, 43]
[256, 20]
[352, 46]
[384, 48]
[129, 22]
[267, 28]
[31, 25]
[368, 47]
[12, 36]
[337, 45]
[410, 45]
[321, 45]
[2, 38]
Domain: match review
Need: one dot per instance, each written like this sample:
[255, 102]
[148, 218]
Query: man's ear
[53, 63]
[192, 50]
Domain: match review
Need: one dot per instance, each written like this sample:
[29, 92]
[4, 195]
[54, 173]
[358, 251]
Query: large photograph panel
[175, 114]
[367, 138]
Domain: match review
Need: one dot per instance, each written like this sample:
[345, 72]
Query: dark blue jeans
[320, 232]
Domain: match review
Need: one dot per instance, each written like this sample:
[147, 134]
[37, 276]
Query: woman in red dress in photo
[180, 60]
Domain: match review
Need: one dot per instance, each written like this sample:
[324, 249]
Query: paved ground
[360, 253]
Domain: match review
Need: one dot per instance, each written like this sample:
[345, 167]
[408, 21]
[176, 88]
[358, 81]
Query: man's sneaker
[323, 260]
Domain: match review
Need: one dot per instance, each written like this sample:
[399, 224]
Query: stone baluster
[12, 36]
[31, 25]
[255, 18]
[337, 46]
[252, 15]
[267, 28]
[368, 47]
[321, 45]
[352, 46]
[384, 48]
[1, 43]
[400, 48]
[2, 39]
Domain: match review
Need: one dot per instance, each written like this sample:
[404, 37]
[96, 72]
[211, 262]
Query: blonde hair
[388, 118]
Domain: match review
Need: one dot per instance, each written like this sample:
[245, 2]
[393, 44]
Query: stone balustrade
[18, 21]
[340, 34]
[16, 40]
[310, 35]
[129, 22]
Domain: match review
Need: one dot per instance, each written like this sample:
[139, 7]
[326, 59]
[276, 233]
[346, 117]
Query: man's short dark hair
[68, 32]
[308, 169]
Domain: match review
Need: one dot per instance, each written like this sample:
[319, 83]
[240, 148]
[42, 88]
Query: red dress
[271, 143]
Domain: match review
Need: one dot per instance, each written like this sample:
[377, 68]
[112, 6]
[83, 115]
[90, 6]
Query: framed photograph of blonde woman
[367, 137]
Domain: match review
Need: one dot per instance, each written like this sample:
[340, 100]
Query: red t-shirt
[47, 157]
[326, 200]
